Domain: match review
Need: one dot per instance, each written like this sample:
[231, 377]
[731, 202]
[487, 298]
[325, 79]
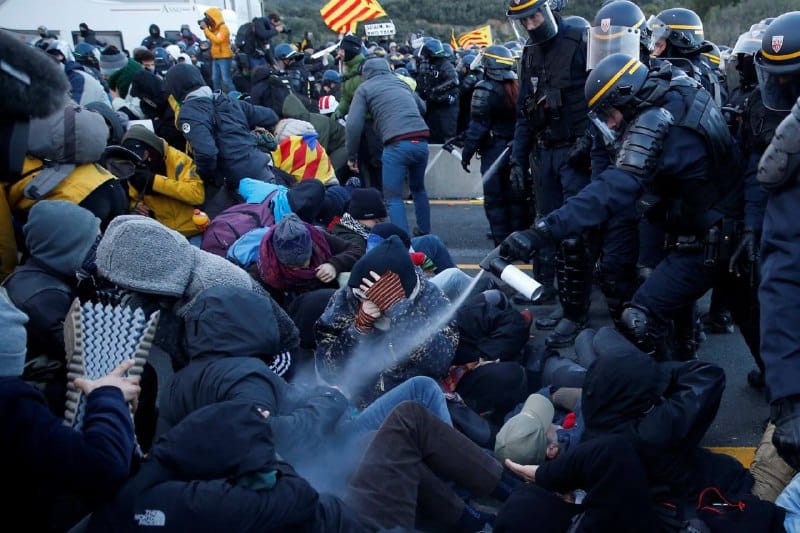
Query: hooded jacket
[154, 38]
[351, 79]
[332, 135]
[217, 471]
[395, 109]
[219, 34]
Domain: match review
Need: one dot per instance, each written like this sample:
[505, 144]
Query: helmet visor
[607, 40]
[541, 21]
[598, 118]
[779, 91]
[748, 43]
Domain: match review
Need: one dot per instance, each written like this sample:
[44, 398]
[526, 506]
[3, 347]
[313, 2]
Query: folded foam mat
[97, 338]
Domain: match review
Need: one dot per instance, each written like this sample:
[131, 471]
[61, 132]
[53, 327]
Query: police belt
[553, 145]
[716, 244]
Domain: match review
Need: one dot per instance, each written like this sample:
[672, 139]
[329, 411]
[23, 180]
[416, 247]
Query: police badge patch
[777, 43]
[605, 25]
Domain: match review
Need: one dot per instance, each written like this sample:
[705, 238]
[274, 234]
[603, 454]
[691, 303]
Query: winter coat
[351, 79]
[217, 471]
[401, 345]
[44, 460]
[173, 197]
[489, 331]
[219, 34]
[85, 87]
[395, 109]
[332, 135]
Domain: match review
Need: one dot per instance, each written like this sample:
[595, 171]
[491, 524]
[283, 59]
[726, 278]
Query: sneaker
[97, 338]
[720, 323]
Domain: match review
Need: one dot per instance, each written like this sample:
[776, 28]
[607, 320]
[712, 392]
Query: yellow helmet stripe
[712, 57]
[784, 57]
[633, 65]
[607, 37]
[683, 27]
[522, 6]
[500, 59]
[635, 26]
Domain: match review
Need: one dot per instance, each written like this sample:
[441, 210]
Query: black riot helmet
[778, 62]
[498, 63]
[747, 46]
[618, 28]
[624, 13]
[547, 27]
[614, 82]
[432, 48]
[681, 28]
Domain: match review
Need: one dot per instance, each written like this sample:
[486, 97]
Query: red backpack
[225, 228]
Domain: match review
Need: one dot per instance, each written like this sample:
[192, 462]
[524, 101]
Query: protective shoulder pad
[781, 159]
[644, 141]
[481, 96]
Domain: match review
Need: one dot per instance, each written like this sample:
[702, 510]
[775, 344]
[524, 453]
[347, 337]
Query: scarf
[352, 224]
[276, 275]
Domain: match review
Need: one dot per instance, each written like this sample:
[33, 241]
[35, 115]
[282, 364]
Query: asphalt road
[739, 422]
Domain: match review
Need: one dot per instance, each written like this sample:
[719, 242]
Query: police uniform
[437, 84]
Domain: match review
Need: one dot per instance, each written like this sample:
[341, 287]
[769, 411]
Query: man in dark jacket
[218, 129]
[88, 35]
[154, 38]
[257, 39]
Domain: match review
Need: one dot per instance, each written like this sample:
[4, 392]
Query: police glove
[521, 245]
[746, 254]
[785, 413]
[142, 179]
[519, 178]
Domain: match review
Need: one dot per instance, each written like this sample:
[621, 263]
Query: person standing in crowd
[397, 114]
[88, 35]
[551, 116]
[290, 62]
[490, 133]
[437, 84]
[154, 38]
[216, 31]
[187, 36]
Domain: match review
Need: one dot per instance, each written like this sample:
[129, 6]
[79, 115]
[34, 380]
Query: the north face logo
[777, 43]
[605, 24]
[151, 517]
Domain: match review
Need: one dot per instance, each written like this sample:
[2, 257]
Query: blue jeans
[222, 67]
[420, 389]
[434, 248]
[400, 159]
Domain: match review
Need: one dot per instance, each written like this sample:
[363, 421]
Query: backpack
[235, 221]
[241, 35]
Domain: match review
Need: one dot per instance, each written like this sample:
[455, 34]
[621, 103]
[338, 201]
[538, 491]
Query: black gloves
[521, 245]
[465, 164]
[785, 414]
[519, 178]
[746, 254]
[142, 179]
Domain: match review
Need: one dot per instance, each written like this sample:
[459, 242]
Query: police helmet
[778, 62]
[465, 61]
[432, 48]
[515, 47]
[615, 81]
[286, 51]
[402, 71]
[498, 63]
[448, 51]
[623, 13]
[411, 67]
[522, 9]
[86, 54]
[713, 58]
[680, 27]
[331, 76]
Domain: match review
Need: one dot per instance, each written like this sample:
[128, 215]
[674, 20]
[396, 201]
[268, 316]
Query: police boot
[720, 322]
[574, 291]
[646, 331]
[684, 345]
[785, 414]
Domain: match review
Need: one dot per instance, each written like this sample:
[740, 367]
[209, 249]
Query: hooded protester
[216, 31]
[60, 473]
[88, 35]
[385, 326]
[154, 38]
[141, 255]
[85, 87]
[119, 70]
[154, 102]
[217, 129]
[187, 36]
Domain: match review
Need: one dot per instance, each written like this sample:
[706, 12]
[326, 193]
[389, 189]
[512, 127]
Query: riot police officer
[491, 130]
[618, 27]
[551, 116]
[778, 69]
[670, 143]
[469, 75]
[437, 84]
[294, 71]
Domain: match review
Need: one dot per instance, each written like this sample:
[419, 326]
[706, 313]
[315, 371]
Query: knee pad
[644, 330]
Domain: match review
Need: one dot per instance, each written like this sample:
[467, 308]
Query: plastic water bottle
[200, 219]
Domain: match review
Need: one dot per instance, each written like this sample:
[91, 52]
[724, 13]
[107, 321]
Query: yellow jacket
[174, 196]
[219, 35]
[75, 187]
[8, 242]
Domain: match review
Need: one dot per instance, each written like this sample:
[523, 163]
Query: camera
[203, 20]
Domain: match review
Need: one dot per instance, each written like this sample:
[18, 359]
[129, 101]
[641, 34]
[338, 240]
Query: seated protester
[265, 205]
[296, 257]
[164, 185]
[335, 203]
[119, 71]
[85, 87]
[435, 256]
[154, 102]
[116, 121]
[235, 357]
[51, 171]
[389, 324]
[59, 474]
[61, 238]
[218, 129]
[304, 158]
[218, 471]
[160, 267]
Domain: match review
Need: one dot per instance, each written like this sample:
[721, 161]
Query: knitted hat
[15, 338]
[366, 204]
[327, 104]
[523, 439]
[60, 234]
[292, 241]
[141, 133]
[389, 256]
[305, 199]
[384, 230]
[111, 60]
[351, 45]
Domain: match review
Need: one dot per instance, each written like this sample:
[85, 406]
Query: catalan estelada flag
[342, 15]
[303, 157]
[479, 37]
[453, 41]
